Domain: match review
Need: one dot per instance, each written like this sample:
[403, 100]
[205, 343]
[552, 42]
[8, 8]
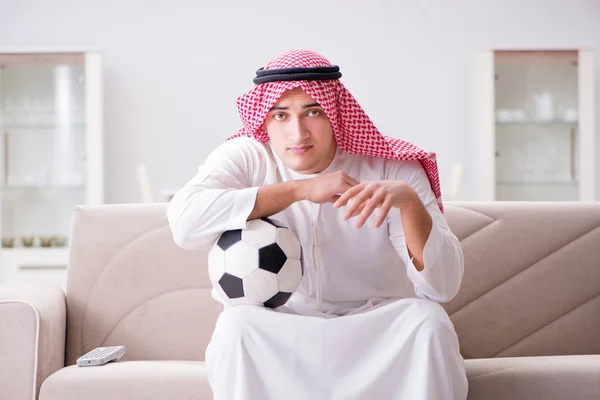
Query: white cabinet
[534, 112]
[51, 156]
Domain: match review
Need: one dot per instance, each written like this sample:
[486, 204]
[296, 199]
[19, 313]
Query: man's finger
[366, 213]
[357, 209]
[362, 207]
[347, 195]
[383, 212]
[370, 206]
[356, 202]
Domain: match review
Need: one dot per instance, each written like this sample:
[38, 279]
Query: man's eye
[314, 113]
[278, 117]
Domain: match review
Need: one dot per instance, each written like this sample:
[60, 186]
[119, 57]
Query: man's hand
[326, 188]
[368, 196]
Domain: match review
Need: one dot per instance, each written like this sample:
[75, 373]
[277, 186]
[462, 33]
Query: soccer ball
[259, 265]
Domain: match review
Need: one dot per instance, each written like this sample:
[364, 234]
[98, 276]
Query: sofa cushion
[548, 378]
[131, 380]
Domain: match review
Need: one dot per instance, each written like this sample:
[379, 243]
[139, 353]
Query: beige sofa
[527, 315]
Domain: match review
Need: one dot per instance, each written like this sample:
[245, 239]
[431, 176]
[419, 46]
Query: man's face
[300, 133]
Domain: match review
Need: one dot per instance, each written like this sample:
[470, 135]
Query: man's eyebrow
[304, 106]
[311, 105]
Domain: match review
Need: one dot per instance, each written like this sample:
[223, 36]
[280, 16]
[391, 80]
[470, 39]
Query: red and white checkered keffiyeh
[354, 132]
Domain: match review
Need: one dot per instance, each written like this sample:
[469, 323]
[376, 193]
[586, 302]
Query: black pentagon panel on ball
[278, 300]
[232, 286]
[273, 222]
[271, 258]
[229, 238]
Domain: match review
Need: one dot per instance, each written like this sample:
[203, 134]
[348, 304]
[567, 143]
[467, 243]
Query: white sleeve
[217, 199]
[443, 259]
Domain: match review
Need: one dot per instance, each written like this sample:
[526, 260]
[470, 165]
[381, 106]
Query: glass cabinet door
[536, 125]
[42, 146]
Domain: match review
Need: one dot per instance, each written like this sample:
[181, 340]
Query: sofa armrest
[32, 337]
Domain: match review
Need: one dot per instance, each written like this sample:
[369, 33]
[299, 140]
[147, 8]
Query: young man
[365, 322]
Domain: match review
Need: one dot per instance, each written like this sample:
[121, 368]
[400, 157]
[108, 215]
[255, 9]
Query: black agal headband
[297, 74]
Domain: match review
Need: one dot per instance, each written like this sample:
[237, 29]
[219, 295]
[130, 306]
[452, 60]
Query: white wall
[173, 69]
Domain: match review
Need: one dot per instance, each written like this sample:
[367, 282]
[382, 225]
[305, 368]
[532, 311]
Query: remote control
[101, 356]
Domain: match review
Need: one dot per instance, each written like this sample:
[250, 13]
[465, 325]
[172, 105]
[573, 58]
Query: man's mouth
[300, 149]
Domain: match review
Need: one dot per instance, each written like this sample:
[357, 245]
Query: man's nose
[298, 130]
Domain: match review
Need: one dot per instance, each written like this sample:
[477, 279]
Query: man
[365, 322]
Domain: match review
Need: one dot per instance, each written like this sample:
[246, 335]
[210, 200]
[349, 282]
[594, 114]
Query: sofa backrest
[128, 283]
[531, 284]
[532, 278]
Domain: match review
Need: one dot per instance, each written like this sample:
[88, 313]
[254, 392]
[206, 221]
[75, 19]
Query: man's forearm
[417, 224]
[275, 198]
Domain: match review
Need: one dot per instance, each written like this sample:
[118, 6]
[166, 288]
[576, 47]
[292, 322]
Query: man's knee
[234, 321]
[433, 319]
[229, 332]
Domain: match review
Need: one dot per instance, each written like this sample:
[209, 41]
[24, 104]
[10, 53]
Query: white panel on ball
[290, 276]
[261, 285]
[259, 233]
[288, 243]
[216, 264]
[241, 259]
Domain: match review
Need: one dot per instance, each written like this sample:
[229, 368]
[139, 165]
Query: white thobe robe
[364, 322]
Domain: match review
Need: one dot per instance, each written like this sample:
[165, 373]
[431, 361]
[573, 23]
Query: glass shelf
[22, 127]
[50, 114]
[42, 187]
[534, 122]
[44, 121]
[35, 250]
[537, 183]
[536, 125]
